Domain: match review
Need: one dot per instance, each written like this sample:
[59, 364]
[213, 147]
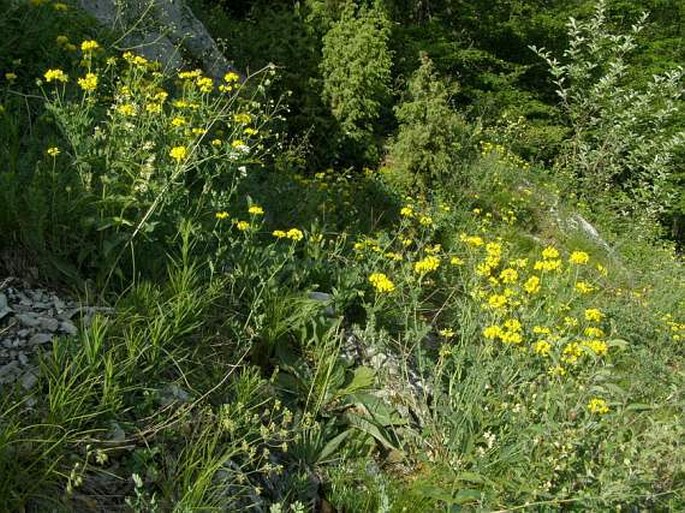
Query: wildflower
[89, 46]
[426, 265]
[497, 301]
[407, 211]
[541, 330]
[556, 370]
[550, 253]
[10, 77]
[513, 325]
[381, 282]
[425, 220]
[542, 348]
[547, 265]
[572, 352]
[238, 144]
[602, 270]
[153, 108]
[231, 77]
[250, 131]
[126, 109]
[56, 75]
[216, 142]
[205, 84]
[593, 315]
[256, 210]
[132, 58]
[242, 225]
[509, 275]
[61, 40]
[579, 258]
[190, 75]
[242, 117]
[279, 234]
[53, 151]
[59, 6]
[393, 256]
[511, 337]
[532, 285]
[221, 215]
[471, 240]
[598, 405]
[520, 263]
[599, 347]
[178, 153]
[593, 332]
[583, 287]
[89, 82]
[178, 121]
[446, 333]
[294, 234]
[455, 260]
[492, 332]
[432, 250]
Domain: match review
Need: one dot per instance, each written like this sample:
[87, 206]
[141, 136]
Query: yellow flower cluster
[427, 264]
[255, 210]
[56, 75]
[598, 406]
[292, 234]
[88, 83]
[89, 46]
[381, 283]
[178, 153]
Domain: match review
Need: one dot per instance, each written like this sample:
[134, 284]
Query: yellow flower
[602, 270]
[250, 131]
[511, 337]
[153, 108]
[407, 211]
[10, 77]
[294, 234]
[547, 265]
[242, 225]
[513, 325]
[216, 142]
[132, 58]
[572, 352]
[53, 151]
[205, 84]
[557, 370]
[221, 215]
[178, 153]
[593, 315]
[89, 82]
[455, 260]
[56, 75]
[242, 117]
[509, 275]
[542, 347]
[471, 240]
[598, 405]
[279, 234]
[550, 253]
[497, 301]
[579, 258]
[231, 77]
[446, 333]
[425, 220]
[238, 144]
[532, 285]
[583, 287]
[178, 121]
[381, 282]
[541, 330]
[59, 6]
[126, 109]
[62, 40]
[89, 46]
[599, 347]
[255, 210]
[492, 332]
[593, 332]
[426, 265]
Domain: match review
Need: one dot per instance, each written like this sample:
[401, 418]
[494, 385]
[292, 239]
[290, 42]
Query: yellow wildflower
[583, 287]
[89, 46]
[572, 352]
[426, 265]
[599, 347]
[593, 332]
[62, 40]
[279, 234]
[231, 77]
[407, 211]
[425, 220]
[593, 315]
[255, 210]
[10, 77]
[579, 258]
[381, 282]
[446, 333]
[455, 260]
[513, 325]
[242, 117]
[294, 234]
[53, 151]
[492, 332]
[56, 75]
[541, 330]
[242, 225]
[89, 82]
[221, 215]
[556, 370]
[126, 109]
[598, 405]
[497, 301]
[471, 240]
[532, 285]
[178, 121]
[542, 348]
[178, 153]
[550, 253]
[238, 144]
[509, 275]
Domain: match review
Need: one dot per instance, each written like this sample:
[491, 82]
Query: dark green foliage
[433, 139]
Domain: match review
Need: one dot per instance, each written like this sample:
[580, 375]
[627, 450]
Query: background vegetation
[410, 256]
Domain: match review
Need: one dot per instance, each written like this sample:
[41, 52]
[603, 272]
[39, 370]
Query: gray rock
[5, 310]
[68, 327]
[48, 324]
[28, 380]
[30, 320]
[8, 371]
[23, 359]
[40, 338]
